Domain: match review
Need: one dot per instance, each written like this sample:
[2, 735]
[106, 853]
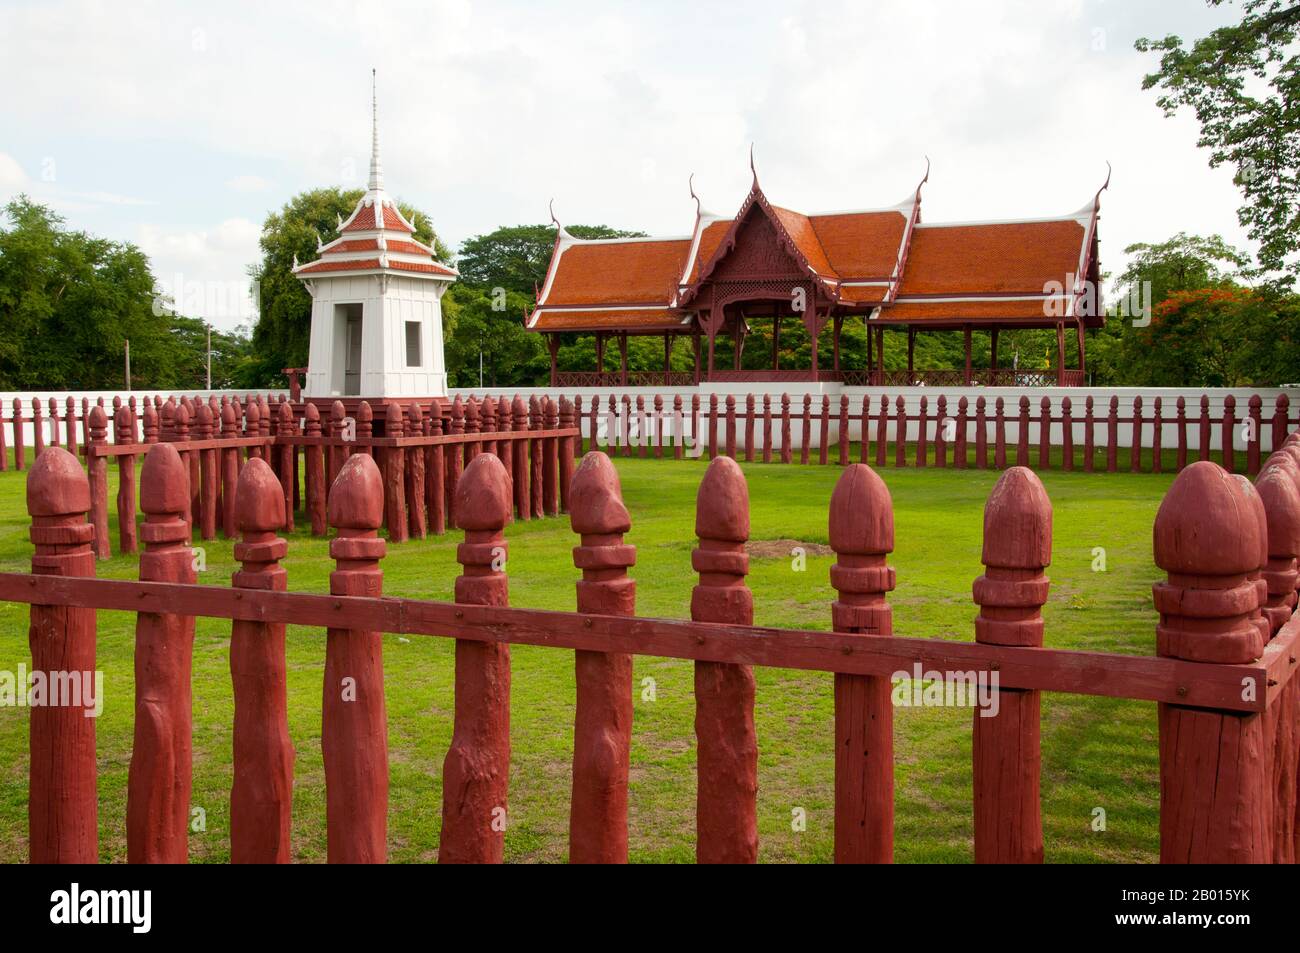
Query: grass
[1096, 752]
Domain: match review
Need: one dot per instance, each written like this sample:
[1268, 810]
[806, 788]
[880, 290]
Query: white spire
[376, 167]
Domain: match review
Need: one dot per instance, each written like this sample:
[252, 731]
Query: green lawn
[1096, 752]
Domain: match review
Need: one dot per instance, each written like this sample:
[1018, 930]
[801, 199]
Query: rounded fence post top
[482, 500]
[123, 417]
[722, 504]
[393, 419]
[164, 481]
[227, 414]
[517, 406]
[1256, 505]
[1018, 522]
[596, 497]
[364, 412]
[1206, 525]
[252, 413]
[98, 419]
[311, 412]
[1280, 495]
[338, 410]
[285, 412]
[435, 410]
[861, 513]
[259, 498]
[56, 485]
[204, 415]
[356, 500]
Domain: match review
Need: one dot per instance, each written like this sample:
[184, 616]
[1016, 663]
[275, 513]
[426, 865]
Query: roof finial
[376, 167]
[551, 207]
[927, 172]
[1096, 202]
[690, 183]
[751, 164]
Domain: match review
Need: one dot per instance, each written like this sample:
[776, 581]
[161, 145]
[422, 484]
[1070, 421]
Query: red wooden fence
[1227, 621]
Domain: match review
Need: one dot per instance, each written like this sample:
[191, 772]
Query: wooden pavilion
[882, 266]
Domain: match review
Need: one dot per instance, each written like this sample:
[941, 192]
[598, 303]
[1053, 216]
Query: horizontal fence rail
[1223, 677]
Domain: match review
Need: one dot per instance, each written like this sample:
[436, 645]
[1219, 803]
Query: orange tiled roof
[977, 309]
[372, 264]
[999, 257]
[618, 272]
[861, 244]
[547, 319]
[372, 244]
[800, 229]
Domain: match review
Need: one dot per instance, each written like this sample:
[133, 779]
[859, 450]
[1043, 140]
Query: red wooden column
[824, 431]
[862, 535]
[727, 760]
[1226, 434]
[62, 800]
[261, 796]
[900, 432]
[750, 420]
[1203, 427]
[434, 474]
[786, 448]
[1067, 434]
[395, 518]
[159, 780]
[338, 452]
[1022, 434]
[1112, 435]
[313, 455]
[535, 456]
[882, 429]
[565, 461]
[229, 469]
[354, 725]
[713, 425]
[1044, 433]
[207, 475]
[97, 471]
[1214, 766]
[70, 423]
[805, 435]
[519, 470]
[505, 450]
[602, 732]
[1181, 415]
[124, 434]
[287, 427]
[1254, 410]
[38, 427]
[415, 473]
[1010, 594]
[20, 454]
[729, 446]
[940, 440]
[767, 428]
[1135, 442]
[922, 451]
[365, 424]
[551, 451]
[1157, 436]
[1000, 434]
[476, 772]
[981, 433]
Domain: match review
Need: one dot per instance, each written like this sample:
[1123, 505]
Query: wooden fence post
[1089, 422]
[70, 422]
[261, 797]
[1010, 594]
[959, 448]
[97, 472]
[417, 519]
[900, 433]
[1226, 435]
[679, 429]
[434, 473]
[567, 420]
[730, 422]
[1135, 440]
[750, 414]
[1022, 434]
[54, 423]
[207, 474]
[1157, 435]
[365, 431]
[1181, 409]
[862, 535]
[787, 437]
[658, 427]
[550, 453]
[1214, 767]
[1000, 434]
[229, 469]
[1281, 410]
[523, 498]
[643, 431]
[505, 451]
[338, 450]
[313, 455]
[922, 440]
[727, 759]
[843, 434]
[354, 726]
[38, 427]
[392, 458]
[62, 799]
[882, 431]
[286, 427]
[824, 431]
[1044, 433]
[577, 417]
[602, 731]
[536, 464]
[160, 778]
[1112, 435]
[767, 428]
[805, 436]
[1067, 434]
[1204, 427]
[123, 435]
[713, 426]
[865, 423]
[20, 452]
[476, 772]
[1256, 434]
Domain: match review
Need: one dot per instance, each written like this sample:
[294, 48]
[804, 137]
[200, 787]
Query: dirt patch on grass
[783, 548]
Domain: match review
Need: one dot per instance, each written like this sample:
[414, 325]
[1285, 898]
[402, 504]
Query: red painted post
[1022, 434]
[453, 459]
[365, 430]
[658, 425]
[1044, 433]
[713, 426]
[523, 498]
[1067, 434]
[505, 449]
[567, 420]
[824, 431]
[787, 448]
[207, 474]
[1157, 435]
[922, 437]
[550, 454]
[434, 467]
[642, 428]
[338, 451]
[981, 433]
[900, 433]
[602, 732]
[1226, 435]
[1255, 434]
[287, 452]
[731, 426]
[1281, 410]
[229, 468]
[261, 796]
[354, 725]
[159, 780]
[958, 433]
[695, 421]
[123, 435]
[54, 422]
[843, 434]
[487, 424]
[535, 460]
[476, 772]
[472, 448]
[624, 429]
[727, 759]
[38, 427]
[679, 426]
[62, 800]
[97, 472]
[1089, 422]
[1215, 802]
[882, 431]
[1205, 427]
[1010, 594]
[1000, 434]
[1181, 406]
[767, 428]
[1135, 440]
[577, 417]
[394, 476]
[805, 437]
[594, 425]
[70, 423]
[1112, 435]
[252, 427]
[417, 519]
[314, 470]
[20, 454]
[862, 535]
[865, 423]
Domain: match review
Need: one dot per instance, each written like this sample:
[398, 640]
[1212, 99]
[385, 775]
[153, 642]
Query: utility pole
[480, 369]
[209, 384]
[127, 351]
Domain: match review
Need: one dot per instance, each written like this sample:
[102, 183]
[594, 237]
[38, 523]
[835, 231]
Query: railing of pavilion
[1228, 757]
[940, 433]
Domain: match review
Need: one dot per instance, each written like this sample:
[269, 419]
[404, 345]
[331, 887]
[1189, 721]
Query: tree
[476, 323]
[1243, 83]
[283, 328]
[515, 257]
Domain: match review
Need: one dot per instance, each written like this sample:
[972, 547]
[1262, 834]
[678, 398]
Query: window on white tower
[412, 343]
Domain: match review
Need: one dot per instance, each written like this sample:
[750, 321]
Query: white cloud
[12, 177]
[248, 183]
[205, 271]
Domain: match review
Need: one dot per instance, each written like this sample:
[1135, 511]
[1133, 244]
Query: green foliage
[1243, 83]
[283, 328]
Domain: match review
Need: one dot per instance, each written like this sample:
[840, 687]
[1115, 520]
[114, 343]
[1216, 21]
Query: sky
[180, 127]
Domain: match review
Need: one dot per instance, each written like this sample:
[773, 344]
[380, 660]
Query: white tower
[376, 315]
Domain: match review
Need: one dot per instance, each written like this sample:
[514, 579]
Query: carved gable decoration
[759, 252]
